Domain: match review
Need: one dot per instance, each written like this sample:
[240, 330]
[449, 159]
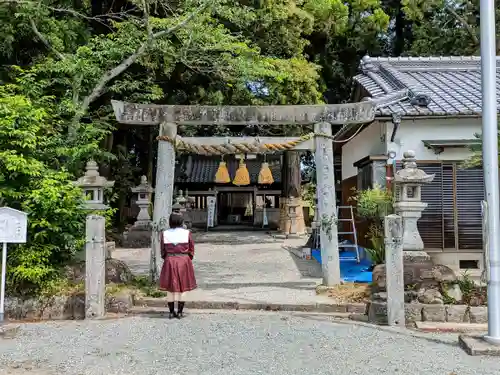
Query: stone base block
[434, 313]
[476, 345]
[136, 239]
[117, 272]
[457, 313]
[413, 312]
[417, 275]
[416, 257]
[120, 303]
[377, 313]
[478, 314]
[8, 331]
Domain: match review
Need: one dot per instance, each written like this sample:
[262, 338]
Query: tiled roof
[429, 86]
[202, 169]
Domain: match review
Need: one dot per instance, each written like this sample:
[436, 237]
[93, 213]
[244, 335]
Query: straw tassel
[222, 175]
[242, 177]
[265, 174]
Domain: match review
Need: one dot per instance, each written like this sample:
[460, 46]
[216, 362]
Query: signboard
[13, 228]
[13, 225]
[211, 211]
[265, 222]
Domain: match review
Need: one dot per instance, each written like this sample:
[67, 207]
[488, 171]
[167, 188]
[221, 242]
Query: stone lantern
[409, 205]
[181, 205]
[93, 186]
[144, 192]
[293, 204]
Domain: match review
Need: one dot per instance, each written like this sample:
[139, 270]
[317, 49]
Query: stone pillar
[326, 207]
[95, 267]
[93, 186]
[164, 191]
[393, 233]
[409, 206]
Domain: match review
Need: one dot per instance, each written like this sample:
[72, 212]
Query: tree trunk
[290, 175]
[291, 220]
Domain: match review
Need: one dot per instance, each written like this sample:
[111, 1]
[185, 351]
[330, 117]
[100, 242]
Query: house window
[452, 219]
[365, 177]
[371, 172]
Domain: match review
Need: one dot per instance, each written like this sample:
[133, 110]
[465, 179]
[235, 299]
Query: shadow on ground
[307, 268]
[236, 238]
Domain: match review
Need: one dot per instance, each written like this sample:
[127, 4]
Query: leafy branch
[44, 40]
[98, 89]
[327, 223]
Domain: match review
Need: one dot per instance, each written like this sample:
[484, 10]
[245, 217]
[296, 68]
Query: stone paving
[235, 343]
[244, 267]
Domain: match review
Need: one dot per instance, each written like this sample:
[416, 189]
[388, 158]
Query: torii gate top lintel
[152, 114]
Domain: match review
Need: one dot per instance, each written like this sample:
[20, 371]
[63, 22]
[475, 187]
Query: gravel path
[235, 344]
[246, 267]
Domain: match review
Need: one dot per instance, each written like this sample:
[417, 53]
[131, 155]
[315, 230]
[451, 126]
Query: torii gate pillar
[164, 193]
[325, 192]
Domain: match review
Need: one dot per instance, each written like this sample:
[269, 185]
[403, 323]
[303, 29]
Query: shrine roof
[198, 169]
[425, 86]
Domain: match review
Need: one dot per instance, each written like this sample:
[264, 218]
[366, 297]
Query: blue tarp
[350, 270]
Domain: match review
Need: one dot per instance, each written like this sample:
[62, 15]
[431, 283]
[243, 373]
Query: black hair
[176, 220]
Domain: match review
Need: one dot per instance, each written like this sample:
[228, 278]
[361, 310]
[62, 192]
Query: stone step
[451, 327]
[349, 308]
[160, 311]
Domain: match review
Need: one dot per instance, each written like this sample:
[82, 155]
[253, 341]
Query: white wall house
[432, 106]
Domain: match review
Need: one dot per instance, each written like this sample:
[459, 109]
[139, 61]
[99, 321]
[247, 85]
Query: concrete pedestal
[477, 345]
[410, 212]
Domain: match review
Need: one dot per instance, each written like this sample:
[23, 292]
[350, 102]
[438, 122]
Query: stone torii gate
[322, 116]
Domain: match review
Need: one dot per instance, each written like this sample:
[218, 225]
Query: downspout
[396, 121]
[390, 168]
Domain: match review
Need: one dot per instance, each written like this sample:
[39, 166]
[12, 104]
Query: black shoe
[180, 308]
[172, 313]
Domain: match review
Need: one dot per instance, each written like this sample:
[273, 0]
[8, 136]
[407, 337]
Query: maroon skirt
[177, 274]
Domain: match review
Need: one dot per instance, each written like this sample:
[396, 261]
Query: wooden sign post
[13, 229]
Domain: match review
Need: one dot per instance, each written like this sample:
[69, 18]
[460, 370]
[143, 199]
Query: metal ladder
[353, 225]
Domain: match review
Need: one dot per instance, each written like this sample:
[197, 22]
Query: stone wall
[419, 312]
[61, 307]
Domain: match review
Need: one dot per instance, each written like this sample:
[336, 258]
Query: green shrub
[49, 197]
[373, 205]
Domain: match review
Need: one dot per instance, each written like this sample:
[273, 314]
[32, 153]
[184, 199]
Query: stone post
[95, 267]
[393, 231]
[164, 191]
[93, 186]
[326, 207]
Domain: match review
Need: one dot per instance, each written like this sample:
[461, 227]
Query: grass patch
[348, 293]
[145, 287]
[140, 285]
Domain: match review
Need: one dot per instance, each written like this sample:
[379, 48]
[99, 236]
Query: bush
[49, 197]
[373, 205]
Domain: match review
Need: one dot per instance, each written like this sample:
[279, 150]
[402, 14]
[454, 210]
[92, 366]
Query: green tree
[27, 183]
